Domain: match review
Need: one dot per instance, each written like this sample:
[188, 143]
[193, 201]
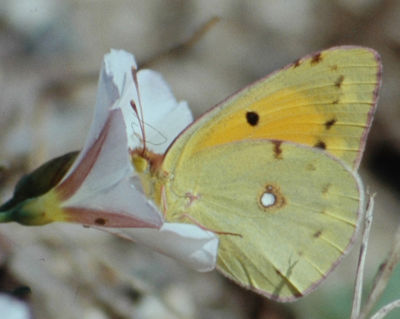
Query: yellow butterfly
[272, 170]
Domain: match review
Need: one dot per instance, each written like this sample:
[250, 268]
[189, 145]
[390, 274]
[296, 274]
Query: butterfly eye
[140, 163]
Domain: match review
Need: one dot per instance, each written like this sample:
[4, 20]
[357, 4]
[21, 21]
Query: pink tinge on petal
[113, 76]
[102, 218]
[101, 190]
[121, 205]
[70, 185]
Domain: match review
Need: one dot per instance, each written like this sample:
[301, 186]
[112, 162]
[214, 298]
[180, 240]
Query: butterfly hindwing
[291, 211]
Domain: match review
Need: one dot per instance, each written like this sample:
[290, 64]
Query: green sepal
[21, 214]
[39, 182]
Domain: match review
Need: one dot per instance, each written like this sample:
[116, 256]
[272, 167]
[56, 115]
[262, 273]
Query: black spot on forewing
[321, 145]
[330, 123]
[252, 118]
[296, 63]
[316, 58]
[339, 81]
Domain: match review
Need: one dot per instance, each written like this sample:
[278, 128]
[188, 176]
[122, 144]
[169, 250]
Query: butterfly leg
[164, 203]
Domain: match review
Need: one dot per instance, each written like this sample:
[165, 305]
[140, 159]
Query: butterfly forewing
[325, 100]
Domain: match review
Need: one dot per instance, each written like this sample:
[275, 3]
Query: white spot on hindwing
[271, 198]
[268, 199]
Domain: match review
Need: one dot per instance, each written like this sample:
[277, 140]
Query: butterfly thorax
[157, 185]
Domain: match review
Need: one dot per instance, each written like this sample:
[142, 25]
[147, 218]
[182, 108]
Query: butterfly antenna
[139, 113]
[153, 128]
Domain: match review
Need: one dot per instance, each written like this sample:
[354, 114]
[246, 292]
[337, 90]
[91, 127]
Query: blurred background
[50, 56]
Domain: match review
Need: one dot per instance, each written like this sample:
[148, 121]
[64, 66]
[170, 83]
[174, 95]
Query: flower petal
[189, 244]
[164, 117]
[114, 73]
[119, 206]
[102, 187]
[119, 84]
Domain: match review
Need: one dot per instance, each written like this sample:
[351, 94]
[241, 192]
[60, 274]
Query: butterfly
[272, 170]
[269, 175]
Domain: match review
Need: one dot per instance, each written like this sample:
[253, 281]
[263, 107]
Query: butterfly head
[146, 161]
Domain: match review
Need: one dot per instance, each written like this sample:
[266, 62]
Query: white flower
[101, 187]
[164, 119]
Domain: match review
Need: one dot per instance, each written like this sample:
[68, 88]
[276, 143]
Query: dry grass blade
[361, 261]
[381, 313]
[181, 47]
[383, 276]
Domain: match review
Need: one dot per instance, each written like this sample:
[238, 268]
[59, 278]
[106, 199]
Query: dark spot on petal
[321, 145]
[100, 221]
[252, 118]
[334, 67]
[317, 234]
[300, 253]
[277, 149]
[296, 63]
[339, 81]
[316, 58]
[330, 123]
[335, 101]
